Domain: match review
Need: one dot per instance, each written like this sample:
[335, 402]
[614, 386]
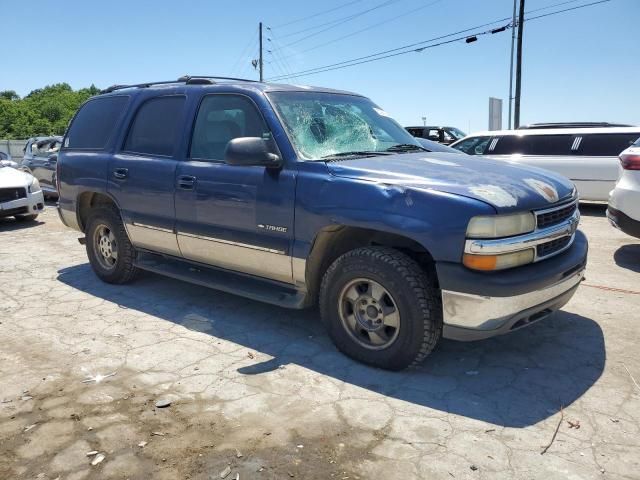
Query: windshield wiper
[356, 153]
[406, 147]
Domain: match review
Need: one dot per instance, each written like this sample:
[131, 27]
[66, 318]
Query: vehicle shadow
[628, 256]
[593, 209]
[515, 380]
[9, 224]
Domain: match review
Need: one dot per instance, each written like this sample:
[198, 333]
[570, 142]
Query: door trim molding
[160, 229]
[235, 244]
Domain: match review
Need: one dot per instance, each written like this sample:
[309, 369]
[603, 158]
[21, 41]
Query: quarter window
[94, 123]
[221, 118]
[156, 127]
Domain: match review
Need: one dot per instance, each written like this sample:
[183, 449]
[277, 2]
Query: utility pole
[261, 71]
[513, 41]
[516, 119]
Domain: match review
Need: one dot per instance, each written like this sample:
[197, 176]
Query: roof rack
[186, 79]
[535, 126]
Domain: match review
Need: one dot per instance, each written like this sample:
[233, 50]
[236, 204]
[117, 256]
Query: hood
[10, 177]
[507, 186]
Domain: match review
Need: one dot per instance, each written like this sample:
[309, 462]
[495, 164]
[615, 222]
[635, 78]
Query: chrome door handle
[186, 182]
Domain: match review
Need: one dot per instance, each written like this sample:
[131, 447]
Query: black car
[444, 135]
[40, 158]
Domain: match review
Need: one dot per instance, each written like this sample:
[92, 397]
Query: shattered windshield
[324, 125]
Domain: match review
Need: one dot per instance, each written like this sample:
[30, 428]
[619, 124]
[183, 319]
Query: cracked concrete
[269, 383]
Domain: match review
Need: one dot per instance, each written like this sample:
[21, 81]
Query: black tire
[26, 218]
[123, 269]
[413, 292]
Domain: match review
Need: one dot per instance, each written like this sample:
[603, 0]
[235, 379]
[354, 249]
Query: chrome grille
[553, 246]
[10, 194]
[554, 216]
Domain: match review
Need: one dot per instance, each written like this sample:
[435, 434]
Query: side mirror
[251, 151]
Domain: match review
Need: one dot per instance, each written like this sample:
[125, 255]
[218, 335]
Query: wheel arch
[86, 201]
[335, 240]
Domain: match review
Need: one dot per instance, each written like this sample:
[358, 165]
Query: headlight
[498, 262]
[498, 226]
[35, 186]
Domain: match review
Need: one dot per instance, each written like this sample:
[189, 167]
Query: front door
[234, 217]
[142, 175]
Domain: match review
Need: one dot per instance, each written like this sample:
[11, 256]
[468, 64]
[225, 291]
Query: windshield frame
[270, 94]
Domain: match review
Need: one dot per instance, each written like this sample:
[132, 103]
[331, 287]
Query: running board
[223, 280]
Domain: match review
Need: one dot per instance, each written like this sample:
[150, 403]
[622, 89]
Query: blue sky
[580, 65]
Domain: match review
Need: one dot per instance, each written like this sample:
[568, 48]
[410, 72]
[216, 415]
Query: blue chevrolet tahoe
[301, 196]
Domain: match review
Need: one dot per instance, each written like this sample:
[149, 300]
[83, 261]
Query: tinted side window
[156, 127]
[95, 122]
[221, 118]
[416, 132]
[533, 145]
[606, 144]
[473, 146]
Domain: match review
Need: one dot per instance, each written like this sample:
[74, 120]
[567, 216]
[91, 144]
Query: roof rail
[186, 79]
[535, 126]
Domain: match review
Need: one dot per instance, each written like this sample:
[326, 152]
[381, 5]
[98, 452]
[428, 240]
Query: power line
[367, 28]
[402, 50]
[338, 22]
[416, 50]
[317, 14]
[252, 41]
[411, 45]
[565, 10]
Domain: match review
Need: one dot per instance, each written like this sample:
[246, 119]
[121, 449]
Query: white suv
[587, 156]
[624, 201]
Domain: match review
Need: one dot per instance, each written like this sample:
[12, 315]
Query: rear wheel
[381, 308]
[108, 247]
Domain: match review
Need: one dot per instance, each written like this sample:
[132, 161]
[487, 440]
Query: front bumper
[32, 204]
[479, 305]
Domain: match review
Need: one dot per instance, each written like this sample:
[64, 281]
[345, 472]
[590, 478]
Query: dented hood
[505, 185]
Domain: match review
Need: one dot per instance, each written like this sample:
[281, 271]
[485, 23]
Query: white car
[624, 202]
[587, 156]
[20, 194]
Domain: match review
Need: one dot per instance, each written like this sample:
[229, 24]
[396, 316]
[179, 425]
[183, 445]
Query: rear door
[234, 217]
[40, 165]
[141, 175]
[597, 157]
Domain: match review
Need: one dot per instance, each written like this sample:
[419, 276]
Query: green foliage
[45, 111]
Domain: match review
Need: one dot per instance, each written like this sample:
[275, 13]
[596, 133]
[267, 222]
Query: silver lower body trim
[157, 239]
[239, 257]
[477, 312]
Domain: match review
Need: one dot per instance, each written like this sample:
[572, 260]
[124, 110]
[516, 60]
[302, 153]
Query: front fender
[436, 220]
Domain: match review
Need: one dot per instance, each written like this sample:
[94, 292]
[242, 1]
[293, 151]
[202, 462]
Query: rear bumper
[477, 305]
[623, 222]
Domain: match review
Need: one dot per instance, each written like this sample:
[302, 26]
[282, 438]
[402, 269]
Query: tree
[44, 111]
[9, 95]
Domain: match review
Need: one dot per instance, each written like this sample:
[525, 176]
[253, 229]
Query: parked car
[431, 146]
[624, 202]
[6, 161]
[40, 157]
[20, 194]
[444, 135]
[587, 156]
[299, 196]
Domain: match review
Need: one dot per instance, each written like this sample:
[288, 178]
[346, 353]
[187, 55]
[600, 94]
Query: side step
[224, 280]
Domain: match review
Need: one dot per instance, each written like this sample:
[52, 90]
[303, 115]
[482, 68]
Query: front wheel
[108, 247]
[381, 308]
